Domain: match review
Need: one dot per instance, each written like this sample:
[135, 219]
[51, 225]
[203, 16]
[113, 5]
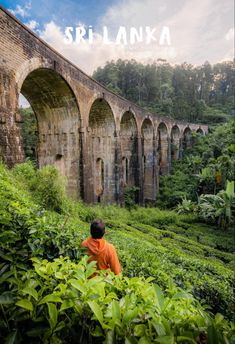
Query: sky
[199, 31]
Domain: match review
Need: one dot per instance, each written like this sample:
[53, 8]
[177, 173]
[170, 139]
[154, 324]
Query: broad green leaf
[60, 326]
[116, 311]
[139, 330]
[159, 328]
[230, 189]
[159, 296]
[96, 310]
[130, 314]
[182, 295]
[66, 304]
[31, 291]
[26, 304]
[50, 298]
[78, 285]
[53, 315]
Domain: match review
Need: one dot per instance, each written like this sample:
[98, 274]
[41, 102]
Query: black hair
[97, 229]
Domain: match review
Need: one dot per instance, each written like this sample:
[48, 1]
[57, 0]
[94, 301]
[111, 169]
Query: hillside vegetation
[177, 273]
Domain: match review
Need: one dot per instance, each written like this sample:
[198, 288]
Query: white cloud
[21, 11]
[86, 56]
[196, 33]
[32, 24]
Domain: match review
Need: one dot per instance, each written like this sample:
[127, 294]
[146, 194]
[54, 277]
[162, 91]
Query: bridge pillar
[11, 144]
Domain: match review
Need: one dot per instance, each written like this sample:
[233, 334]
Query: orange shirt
[103, 253]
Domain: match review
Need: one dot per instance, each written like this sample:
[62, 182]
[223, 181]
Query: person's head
[97, 229]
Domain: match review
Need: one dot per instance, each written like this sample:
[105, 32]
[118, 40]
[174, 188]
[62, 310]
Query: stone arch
[163, 149]
[175, 142]
[187, 138]
[148, 160]
[200, 131]
[129, 148]
[102, 146]
[58, 121]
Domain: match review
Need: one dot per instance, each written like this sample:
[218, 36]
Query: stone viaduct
[100, 141]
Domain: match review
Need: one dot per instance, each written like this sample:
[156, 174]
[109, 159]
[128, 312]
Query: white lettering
[90, 35]
[68, 39]
[165, 35]
[121, 36]
[80, 33]
[136, 36]
[150, 36]
[105, 35]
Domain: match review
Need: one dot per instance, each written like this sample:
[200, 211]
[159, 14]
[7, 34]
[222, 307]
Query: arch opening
[129, 148]
[187, 139]
[200, 131]
[58, 121]
[102, 147]
[148, 161]
[163, 149]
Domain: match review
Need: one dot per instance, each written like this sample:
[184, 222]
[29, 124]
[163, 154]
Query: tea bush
[46, 294]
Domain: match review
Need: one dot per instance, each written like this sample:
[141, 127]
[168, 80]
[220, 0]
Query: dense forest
[192, 93]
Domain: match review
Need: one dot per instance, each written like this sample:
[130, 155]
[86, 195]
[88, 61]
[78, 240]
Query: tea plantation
[176, 286]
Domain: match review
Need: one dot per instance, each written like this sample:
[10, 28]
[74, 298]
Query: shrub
[48, 188]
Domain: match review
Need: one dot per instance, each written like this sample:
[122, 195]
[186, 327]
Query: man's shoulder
[110, 246]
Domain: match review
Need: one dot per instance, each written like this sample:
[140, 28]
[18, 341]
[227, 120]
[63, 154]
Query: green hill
[177, 273]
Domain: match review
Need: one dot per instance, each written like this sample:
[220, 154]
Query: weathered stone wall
[98, 140]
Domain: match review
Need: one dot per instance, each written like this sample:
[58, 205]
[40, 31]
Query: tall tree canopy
[195, 93]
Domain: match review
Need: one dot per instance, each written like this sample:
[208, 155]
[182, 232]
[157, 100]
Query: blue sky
[61, 12]
[200, 30]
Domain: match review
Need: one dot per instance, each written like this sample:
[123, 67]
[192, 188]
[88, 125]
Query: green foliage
[205, 168]
[46, 297]
[198, 94]
[131, 196]
[59, 302]
[49, 188]
[186, 207]
[219, 208]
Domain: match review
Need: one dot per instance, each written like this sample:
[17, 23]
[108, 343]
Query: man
[100, 250]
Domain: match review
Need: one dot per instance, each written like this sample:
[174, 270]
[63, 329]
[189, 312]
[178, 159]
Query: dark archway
[148, 161]
[129, 149]
[163, 149]
[102, 152]
[175, 142]
[58, 123]
[187, 139]
[200, 131]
